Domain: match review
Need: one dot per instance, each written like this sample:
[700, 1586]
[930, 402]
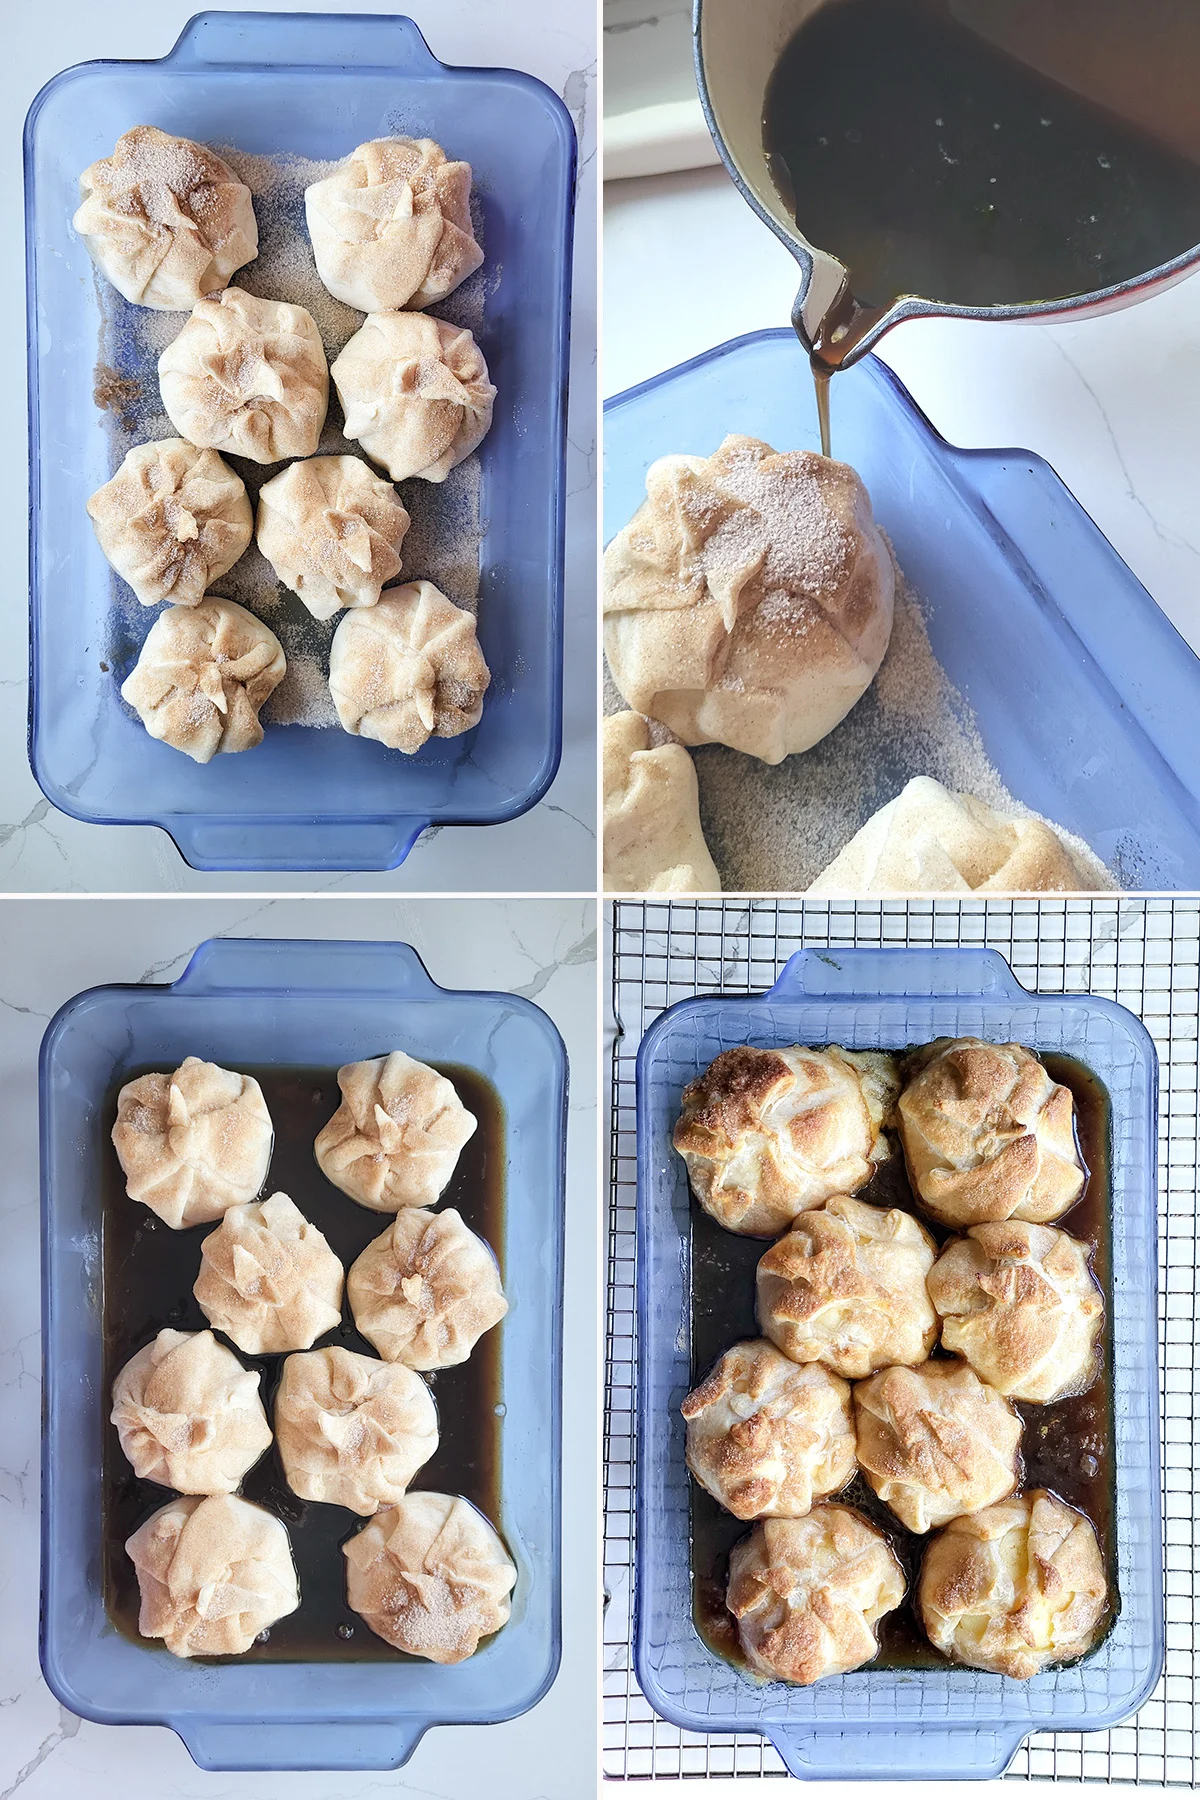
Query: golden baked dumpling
[988, 1135]
[653, 841]
[426, 1289]
[430, 1576]
[846, 1287]
[188, 1415]
[1016, 1587]
[767, 1438]
[749, 600]
[936, 1441]
[396, 1137]
[213, 1572]
[1020, 1303]
[767, 1134]
[352, 1431]
[268, 1278]
[807, 1593]
[194, 1143]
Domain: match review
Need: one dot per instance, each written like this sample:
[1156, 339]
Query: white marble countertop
[1113, 404]
[543, 949]
[554, 845]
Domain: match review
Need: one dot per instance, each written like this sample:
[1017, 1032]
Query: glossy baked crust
[767, 1134]
[1015, 1587]
[988, 1135]
[935, 1442]
[767, 1438]
[846, 1287]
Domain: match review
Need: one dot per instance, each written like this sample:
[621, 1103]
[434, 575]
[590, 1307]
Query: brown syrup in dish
[148, 1275]
[1065, 1446]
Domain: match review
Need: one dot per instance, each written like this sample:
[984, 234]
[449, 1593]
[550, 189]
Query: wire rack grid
[1143, 953]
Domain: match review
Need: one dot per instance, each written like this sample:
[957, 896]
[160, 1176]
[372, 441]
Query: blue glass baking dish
[926, 1724]
[248, 1003]
[312, 85]
[1085, 695]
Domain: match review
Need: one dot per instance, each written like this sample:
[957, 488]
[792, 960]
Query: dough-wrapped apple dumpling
[807, 1593]
[396, 1137]
[172, 520]
[194, 1143]
[430, 1576]
[331, 529]
[1016, 1587]
[426, 1289]
[188, 1415]
[767, 1438]
[749, 600]
[214, 1571]
[352, 1431]
[247, 376]
[767, 1134]
[415, 392]
[166, 219]
[1020, 1303]
[936, 1441]
[391, 226]
[202, 676]
[988, 1135]
[408, 669]
[846, 1287]
[653, 841]
[268, 1278]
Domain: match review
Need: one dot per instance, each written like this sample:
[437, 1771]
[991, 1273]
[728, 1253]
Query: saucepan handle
[252, 965]
[339, 1744]
[235, 39]
[967, 973]
[924, 1753]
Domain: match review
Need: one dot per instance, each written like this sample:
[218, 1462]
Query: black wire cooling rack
[1144, 954]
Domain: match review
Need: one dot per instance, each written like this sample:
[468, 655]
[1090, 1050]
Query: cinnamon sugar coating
[749, 600]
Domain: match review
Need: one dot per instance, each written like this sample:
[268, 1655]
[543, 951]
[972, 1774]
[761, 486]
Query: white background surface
[554, 845]
[544, 950]
[1112, 403]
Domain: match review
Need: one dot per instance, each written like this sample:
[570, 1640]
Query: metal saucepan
[737, 44]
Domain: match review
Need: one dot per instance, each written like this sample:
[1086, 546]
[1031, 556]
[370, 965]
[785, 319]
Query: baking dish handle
[354, 845]
[252, 965]
[317, 1744]
[227, 39]
[968, 973]
[925, 1753]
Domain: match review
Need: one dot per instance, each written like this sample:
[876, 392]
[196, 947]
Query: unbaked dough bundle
[778, 1141]
[169, 223]
[428, 1574]
[749, 602]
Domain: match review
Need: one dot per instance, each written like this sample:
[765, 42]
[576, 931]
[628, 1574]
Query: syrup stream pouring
[978, 159]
